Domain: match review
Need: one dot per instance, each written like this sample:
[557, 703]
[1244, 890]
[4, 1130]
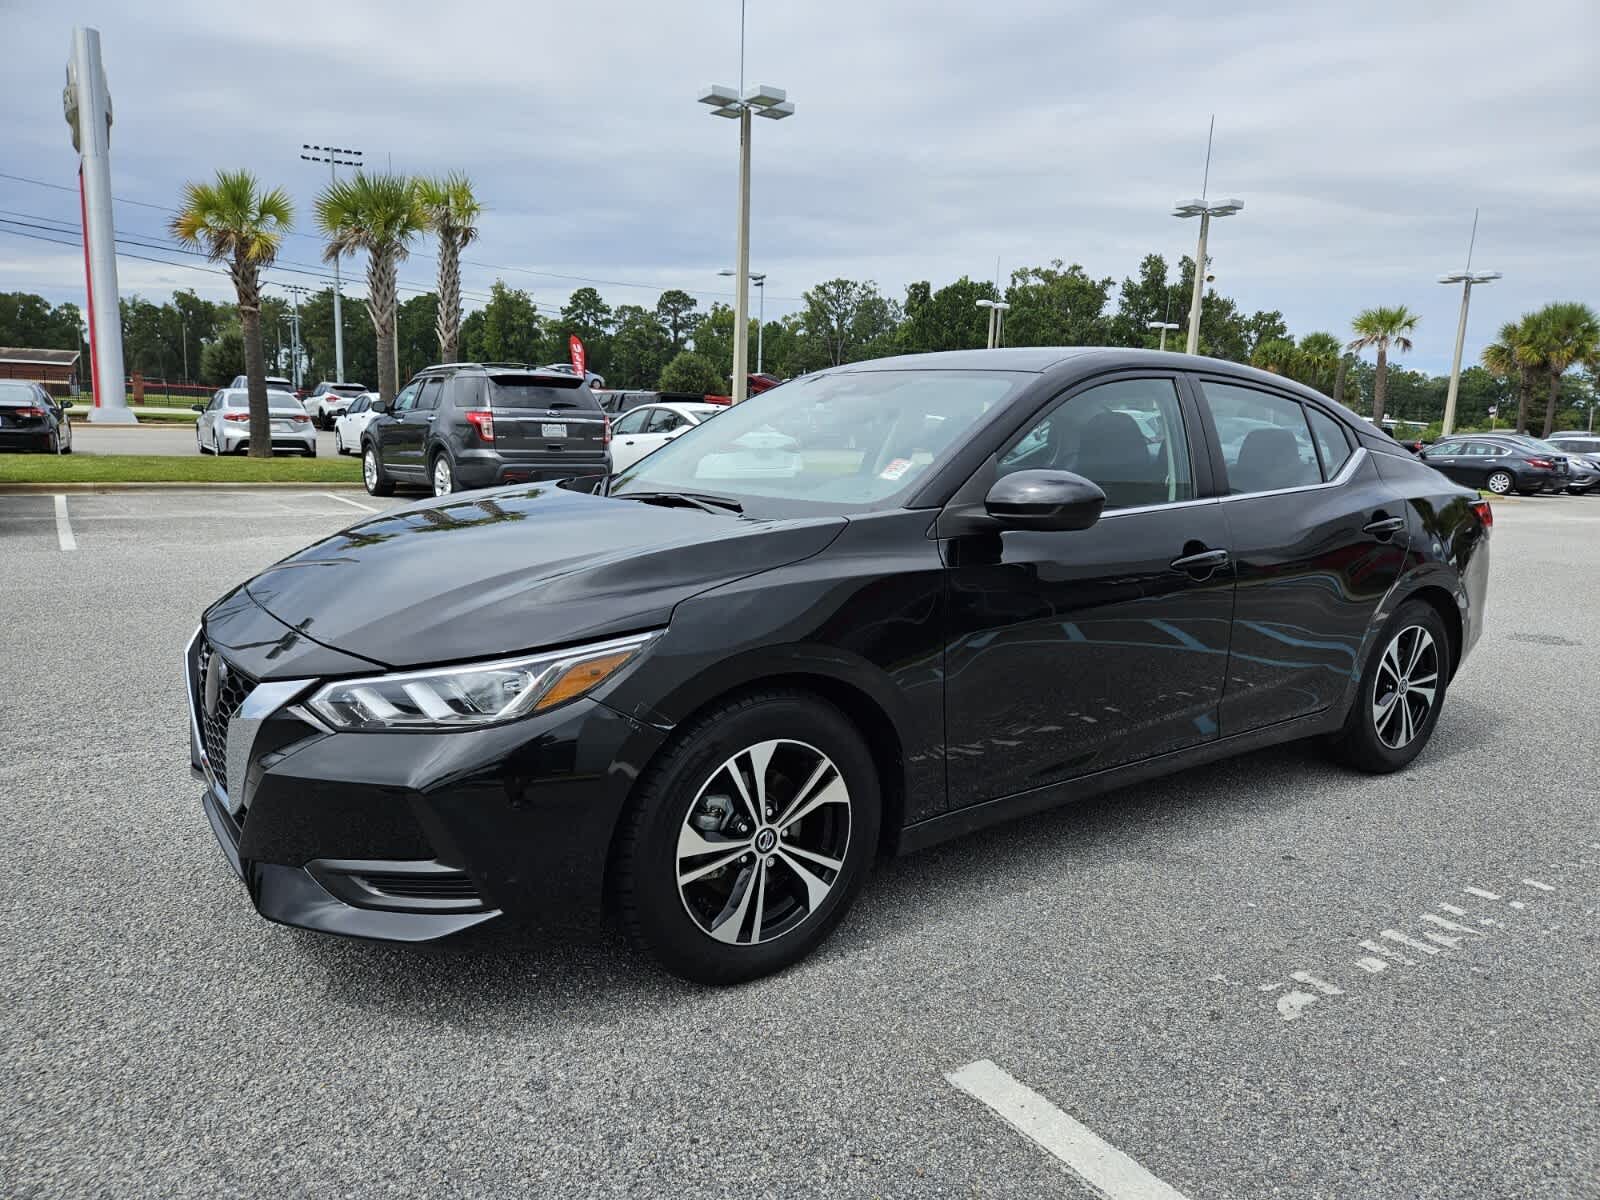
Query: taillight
[482, 420]
[238, 416]
[30, 412]
[1541, 462]
[608, 431]
[1485, 513]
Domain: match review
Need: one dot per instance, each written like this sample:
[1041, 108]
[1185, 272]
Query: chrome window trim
[1356, 459]
[1162, 507]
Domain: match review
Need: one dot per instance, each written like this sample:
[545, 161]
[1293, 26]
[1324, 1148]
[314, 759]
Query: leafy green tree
[678, 313]
[713, 337]
[316, 338]
[844, 317]
[1379, 329]
[31, 321]
[452, 212]
[1056, 306]
[947, 319]
[1566, 333]
[640, 348]
[507, 329]
[378, 214]
[588, 317]
[223, 357]
[417, 334]
[691, 372]
[236, 223]
[1143, 299]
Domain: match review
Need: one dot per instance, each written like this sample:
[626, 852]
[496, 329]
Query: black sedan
[887, 604]
[32, 419]
[1501, 465]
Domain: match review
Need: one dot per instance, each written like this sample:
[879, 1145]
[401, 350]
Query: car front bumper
[410, 836]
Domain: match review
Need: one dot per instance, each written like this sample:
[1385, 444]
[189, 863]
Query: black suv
[473, 425]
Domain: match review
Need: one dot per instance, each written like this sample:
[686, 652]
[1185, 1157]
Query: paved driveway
[1268, 977]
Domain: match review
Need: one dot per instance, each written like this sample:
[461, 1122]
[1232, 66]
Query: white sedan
[640, 430]
[348, 425]
[223, 426]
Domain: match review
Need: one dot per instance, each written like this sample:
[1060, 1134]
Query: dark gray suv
[475, 425]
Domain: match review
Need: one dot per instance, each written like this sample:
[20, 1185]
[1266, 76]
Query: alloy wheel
[369, 468]
[764, 842]
[443, 479]
[1500, 483]
[1407, 684]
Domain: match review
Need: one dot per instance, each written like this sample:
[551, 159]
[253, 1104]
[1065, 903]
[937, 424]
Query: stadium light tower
[774, 104]
[1466, 279]
[335, 158]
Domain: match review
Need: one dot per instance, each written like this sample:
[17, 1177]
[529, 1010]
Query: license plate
[553, 431]
[282, 426]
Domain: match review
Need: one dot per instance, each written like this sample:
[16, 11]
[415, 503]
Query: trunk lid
[554, 415]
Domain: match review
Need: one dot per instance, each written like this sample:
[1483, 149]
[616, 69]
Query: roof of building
[42, 358]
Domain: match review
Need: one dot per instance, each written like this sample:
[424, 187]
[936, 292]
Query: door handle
[1206, 560]
[1384, 528]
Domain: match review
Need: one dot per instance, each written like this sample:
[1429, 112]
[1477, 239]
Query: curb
[25, 489]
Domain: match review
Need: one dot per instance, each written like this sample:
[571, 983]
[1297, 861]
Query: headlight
[476, 694]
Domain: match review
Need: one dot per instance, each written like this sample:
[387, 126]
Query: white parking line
[346, 500]
[64, 524]
[1100, 1165]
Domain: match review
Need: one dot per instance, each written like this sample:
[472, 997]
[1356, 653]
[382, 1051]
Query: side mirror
[197, 407]
[1044, 500]
[379, 406]
[66, 404]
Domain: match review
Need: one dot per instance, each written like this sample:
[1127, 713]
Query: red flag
[579, 358]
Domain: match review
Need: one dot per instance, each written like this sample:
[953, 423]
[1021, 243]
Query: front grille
[452, 885]
[232, 686]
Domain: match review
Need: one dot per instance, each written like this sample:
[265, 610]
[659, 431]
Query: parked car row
[1504, 463]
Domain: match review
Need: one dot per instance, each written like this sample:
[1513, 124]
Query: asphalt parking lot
[153, 438]
[1268, 977]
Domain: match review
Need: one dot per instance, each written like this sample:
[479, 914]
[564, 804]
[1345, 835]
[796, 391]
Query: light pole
[1164, 326]
[295, 290]
[997, 311]
[1466, 279]
[335, 158]
[772, 103]
[1205, 211]
[759, 278]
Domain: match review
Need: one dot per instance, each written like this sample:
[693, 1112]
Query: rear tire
[796, 854]
[1501, 483]
[1401, 693]
[338, 442]
[377, 483]
[443, 474]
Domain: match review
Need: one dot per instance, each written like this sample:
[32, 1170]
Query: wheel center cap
[766, 840]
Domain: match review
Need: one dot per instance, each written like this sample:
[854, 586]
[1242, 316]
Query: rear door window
[551, 393]
[1266, 443]
[1333, 444]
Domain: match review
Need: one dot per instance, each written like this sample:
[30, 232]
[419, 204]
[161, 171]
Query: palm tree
[1319, 358]
[1515, 353]
[237, 223]
[1381, 328]
[1566, 333]
[452, 212]
[379, 214]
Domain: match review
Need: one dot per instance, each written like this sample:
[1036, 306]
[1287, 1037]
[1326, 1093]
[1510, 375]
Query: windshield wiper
[700, 500]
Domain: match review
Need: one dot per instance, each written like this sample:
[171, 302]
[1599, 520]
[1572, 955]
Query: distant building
[56, 369]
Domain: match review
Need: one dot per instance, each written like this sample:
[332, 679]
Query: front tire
[378, 484]
[1402, 691]
[745, 843]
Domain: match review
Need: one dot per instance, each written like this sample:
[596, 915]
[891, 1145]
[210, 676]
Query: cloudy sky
[931, 138]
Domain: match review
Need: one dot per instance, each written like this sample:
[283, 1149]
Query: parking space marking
[1099, 1164]
[64, 524]
[351, 503]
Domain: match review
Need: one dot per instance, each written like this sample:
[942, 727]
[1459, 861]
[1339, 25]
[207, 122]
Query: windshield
[851, 440]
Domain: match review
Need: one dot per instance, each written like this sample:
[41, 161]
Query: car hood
[516, 569]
